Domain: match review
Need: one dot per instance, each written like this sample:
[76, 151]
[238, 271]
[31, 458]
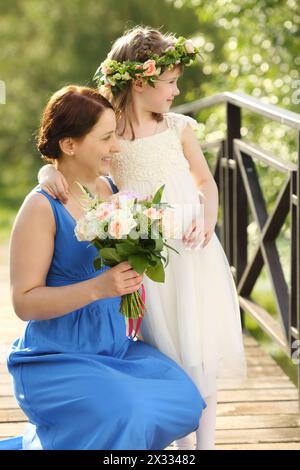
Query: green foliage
[252, 46]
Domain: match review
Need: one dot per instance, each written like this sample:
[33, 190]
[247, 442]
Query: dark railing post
[293, 303]
[240, 220]
[221, 187]
[298, 263]
[240, 226]
[233, 117]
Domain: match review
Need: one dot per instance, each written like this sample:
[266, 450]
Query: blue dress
[82, 383]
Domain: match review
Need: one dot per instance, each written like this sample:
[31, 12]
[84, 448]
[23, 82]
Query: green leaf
[97, 244]
[152, 262]
[110, 263]
[138, 262]
[98, 263]
[159, 244]
[155, 257]
[148, 244]
[156, 273]
[158, 195]
[110, 254]
[125, 249]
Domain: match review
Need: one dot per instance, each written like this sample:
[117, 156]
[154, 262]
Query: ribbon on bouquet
[130, 322]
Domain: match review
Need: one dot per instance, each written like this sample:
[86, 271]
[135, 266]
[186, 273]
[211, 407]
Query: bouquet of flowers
[128, 227]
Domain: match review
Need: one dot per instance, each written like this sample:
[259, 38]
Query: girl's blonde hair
[137, 44]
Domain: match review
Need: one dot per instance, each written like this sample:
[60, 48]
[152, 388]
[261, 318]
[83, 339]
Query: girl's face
[160, 98]
[94, 151]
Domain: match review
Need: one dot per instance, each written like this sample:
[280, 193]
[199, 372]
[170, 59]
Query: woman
[82, 383]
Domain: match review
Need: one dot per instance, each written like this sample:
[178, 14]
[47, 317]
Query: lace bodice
[152, 158]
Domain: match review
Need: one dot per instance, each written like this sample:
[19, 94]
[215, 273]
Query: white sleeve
[180, 121]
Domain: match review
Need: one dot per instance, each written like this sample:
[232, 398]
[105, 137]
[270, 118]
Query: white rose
[92, 229]
[126, 76]
[86, 230]
[104, 212]
[118, 227]
[121, 213]
[80, 230]
[111, 81]
[152, 213]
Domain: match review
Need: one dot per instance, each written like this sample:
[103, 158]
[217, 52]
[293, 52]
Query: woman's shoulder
[39, 200]
[36, 207]
[36, 197]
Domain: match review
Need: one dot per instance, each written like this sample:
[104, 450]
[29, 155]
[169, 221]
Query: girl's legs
[205, 434]
[187, 442]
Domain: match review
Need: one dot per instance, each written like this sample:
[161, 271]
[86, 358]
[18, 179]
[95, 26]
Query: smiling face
[160, 98]
[94, 151]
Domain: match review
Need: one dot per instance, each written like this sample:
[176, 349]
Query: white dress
[194, 316]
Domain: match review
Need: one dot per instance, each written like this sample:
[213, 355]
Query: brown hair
[137, 44]
[71, 112]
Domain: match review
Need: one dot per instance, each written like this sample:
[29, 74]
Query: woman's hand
[53, 182]
[118, 281]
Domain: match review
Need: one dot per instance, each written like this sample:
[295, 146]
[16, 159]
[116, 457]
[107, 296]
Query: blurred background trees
[252, 46]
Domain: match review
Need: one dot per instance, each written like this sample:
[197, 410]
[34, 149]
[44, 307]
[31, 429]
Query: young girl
[194, 316]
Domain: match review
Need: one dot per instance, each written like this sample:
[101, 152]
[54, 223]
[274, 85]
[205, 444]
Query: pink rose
[149, 67]
[189, 46]
[106, 70]
[152, 213]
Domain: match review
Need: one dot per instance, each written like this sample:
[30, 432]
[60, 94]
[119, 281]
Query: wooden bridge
[261, 412]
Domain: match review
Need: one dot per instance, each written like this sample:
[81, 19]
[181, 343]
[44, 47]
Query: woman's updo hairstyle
[71, 112]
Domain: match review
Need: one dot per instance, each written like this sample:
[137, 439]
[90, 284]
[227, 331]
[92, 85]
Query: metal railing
[239, 191]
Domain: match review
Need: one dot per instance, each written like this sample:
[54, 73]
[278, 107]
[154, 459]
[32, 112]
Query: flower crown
[113, 76]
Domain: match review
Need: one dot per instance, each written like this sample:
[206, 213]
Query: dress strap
[112, 184]
[55, 203]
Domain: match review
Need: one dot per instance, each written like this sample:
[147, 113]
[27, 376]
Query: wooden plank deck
[258, 414]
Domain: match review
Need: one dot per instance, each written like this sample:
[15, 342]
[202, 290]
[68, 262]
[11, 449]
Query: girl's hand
[197, 236]
[53, 182]
[193, 237]
[209, 228]
[207, 236]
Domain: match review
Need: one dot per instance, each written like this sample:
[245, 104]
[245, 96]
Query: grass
[12, 196]
[7, 217]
